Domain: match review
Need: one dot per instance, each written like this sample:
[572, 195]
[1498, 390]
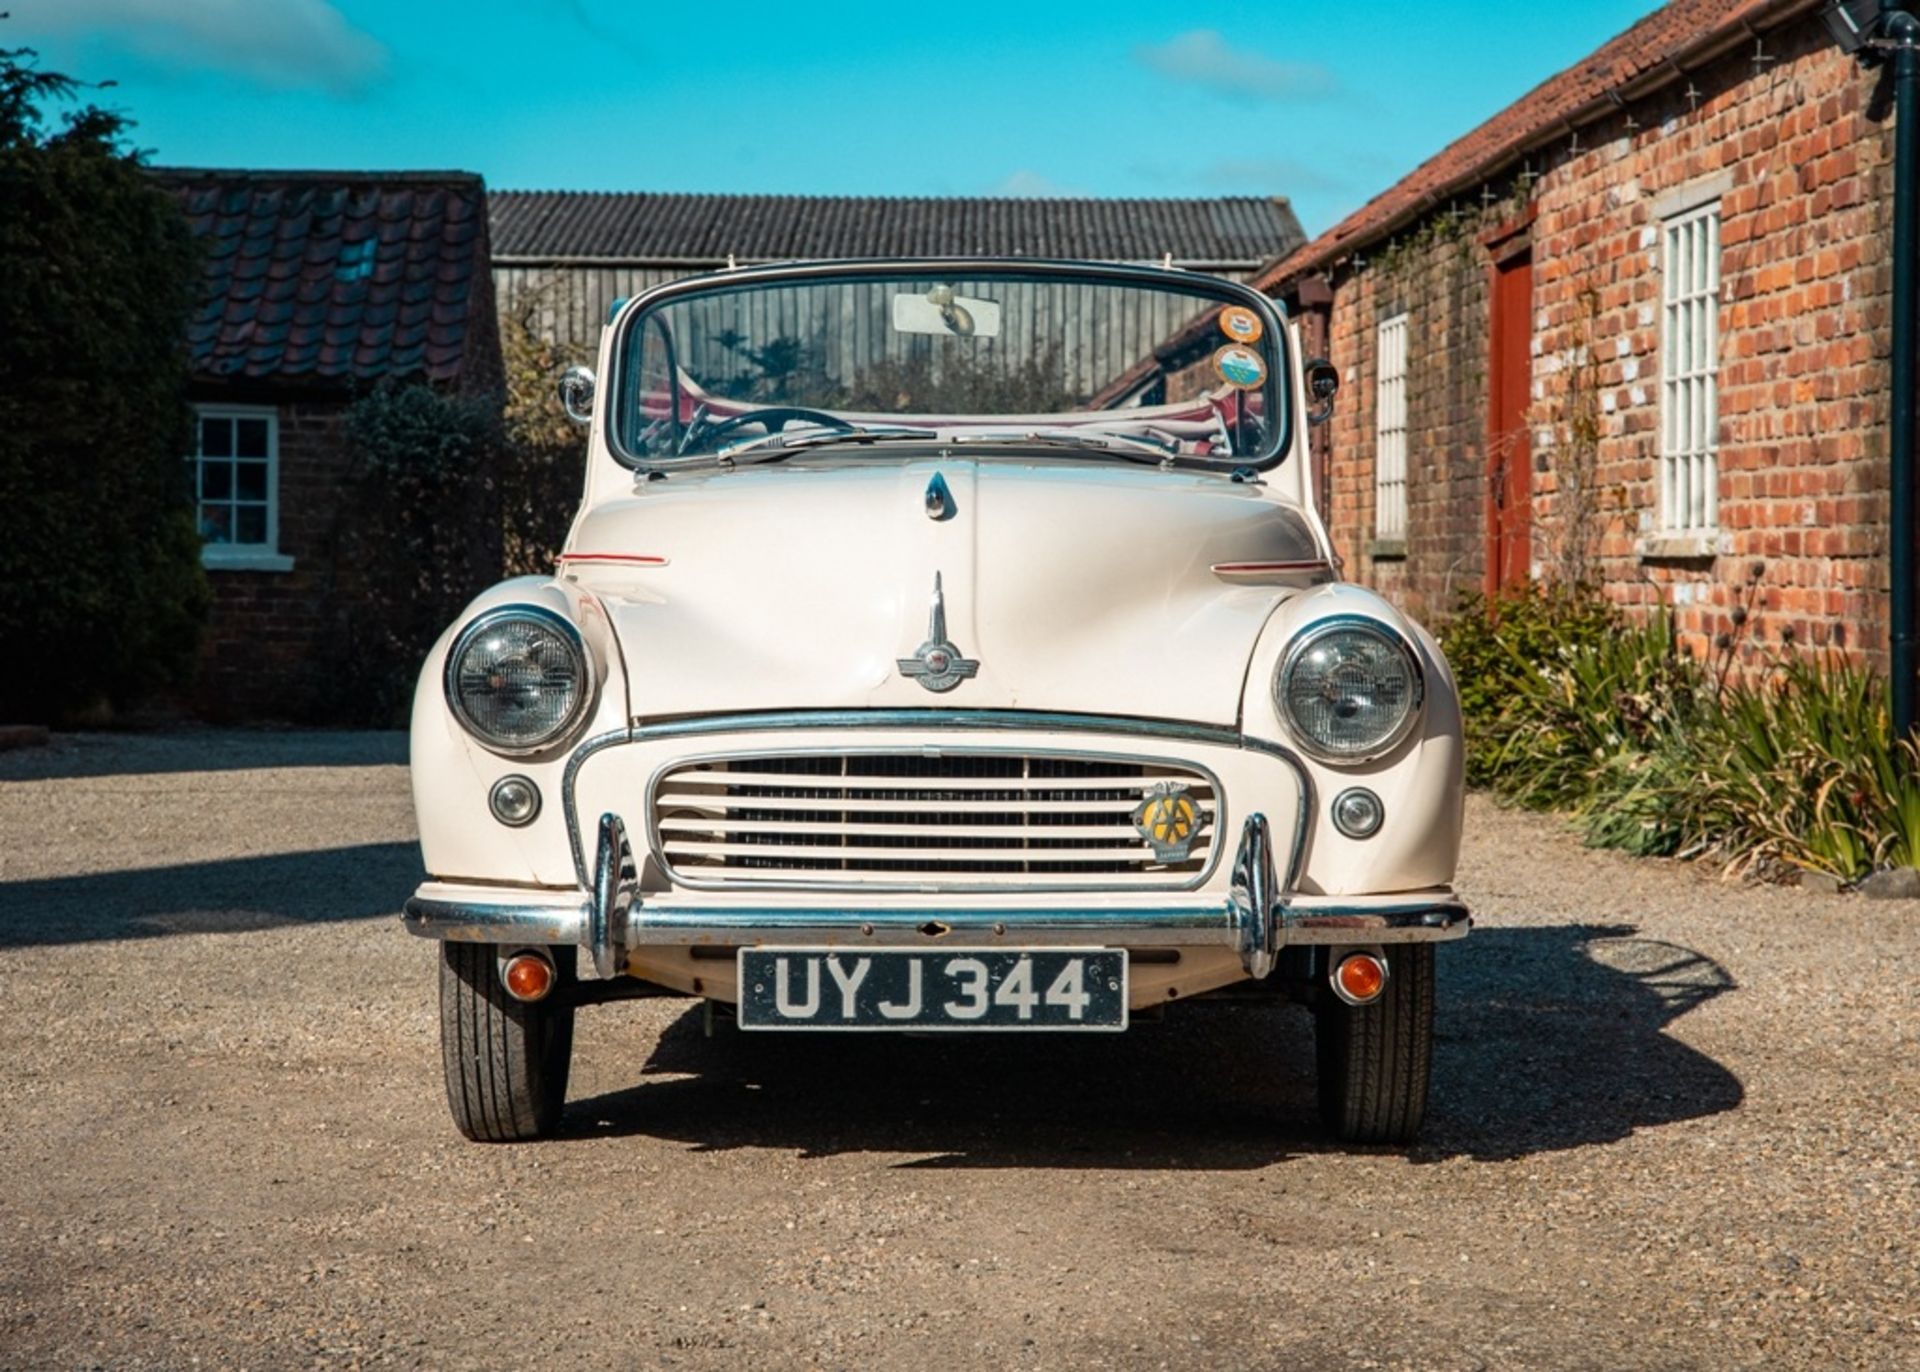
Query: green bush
[101, 592]
[1499, 647]
[418, 537]
[545, 454]
[1578, 725]
[1571, 707]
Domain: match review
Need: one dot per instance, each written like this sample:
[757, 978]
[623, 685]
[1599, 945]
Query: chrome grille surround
[922, 819]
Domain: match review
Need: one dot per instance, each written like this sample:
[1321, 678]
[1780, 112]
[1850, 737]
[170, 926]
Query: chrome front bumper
[1257, 919]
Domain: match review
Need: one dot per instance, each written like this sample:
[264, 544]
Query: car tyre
[506, 1060]
[1375, 1060]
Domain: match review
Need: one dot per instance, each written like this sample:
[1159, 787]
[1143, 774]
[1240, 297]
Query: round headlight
[518, 679]
[1350, 689]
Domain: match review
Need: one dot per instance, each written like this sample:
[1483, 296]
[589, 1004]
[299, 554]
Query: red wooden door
[1509, 457]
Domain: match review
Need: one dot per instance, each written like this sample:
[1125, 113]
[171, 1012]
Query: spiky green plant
[1788, 765]
[1798, 767]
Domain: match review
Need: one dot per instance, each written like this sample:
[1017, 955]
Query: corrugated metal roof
[1650, 51]
[332, 275]
[640, 227]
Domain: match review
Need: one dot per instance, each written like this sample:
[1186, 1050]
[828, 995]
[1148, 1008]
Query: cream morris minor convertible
[940, 646]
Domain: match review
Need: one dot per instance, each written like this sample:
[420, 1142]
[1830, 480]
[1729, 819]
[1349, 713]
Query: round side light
[1359, 978]
[527, 976]
[515, 801]
[1358, 813]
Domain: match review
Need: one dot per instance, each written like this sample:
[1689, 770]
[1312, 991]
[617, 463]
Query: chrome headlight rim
[569, 634]
[1304, 641]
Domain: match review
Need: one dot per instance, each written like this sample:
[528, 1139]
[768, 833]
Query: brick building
[1632, 330]
[318, 287]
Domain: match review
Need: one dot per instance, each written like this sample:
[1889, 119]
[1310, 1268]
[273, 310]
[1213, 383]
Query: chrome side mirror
[1323, 383]
[576, 394]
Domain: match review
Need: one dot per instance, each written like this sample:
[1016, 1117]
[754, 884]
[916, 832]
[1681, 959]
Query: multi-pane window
[1390, 431]
[1689, 353]
[234, 481]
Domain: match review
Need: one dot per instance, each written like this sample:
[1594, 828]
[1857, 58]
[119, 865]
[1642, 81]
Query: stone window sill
[244, 560]
[1695, 545]
[1388, 550]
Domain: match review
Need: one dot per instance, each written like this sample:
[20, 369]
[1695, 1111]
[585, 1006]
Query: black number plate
[955, 988]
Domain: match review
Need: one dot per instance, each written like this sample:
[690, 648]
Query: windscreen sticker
[1241, 324]
[1240, 367]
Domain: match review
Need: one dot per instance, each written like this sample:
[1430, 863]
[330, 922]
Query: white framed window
[236, 486]
[1689, 370]
[1390, 431]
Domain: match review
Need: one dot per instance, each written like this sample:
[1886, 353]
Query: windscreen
[1100, 365]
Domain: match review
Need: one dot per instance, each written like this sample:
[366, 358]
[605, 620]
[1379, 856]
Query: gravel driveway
[1674, 1125]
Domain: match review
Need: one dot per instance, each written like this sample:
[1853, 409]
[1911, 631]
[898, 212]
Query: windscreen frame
[1278, 390]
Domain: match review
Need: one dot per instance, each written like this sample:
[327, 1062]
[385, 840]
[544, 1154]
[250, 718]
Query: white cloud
[1203, 57]
[280, 43]
[1031, 185]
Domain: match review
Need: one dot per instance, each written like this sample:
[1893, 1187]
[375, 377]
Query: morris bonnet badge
[1169, 821]
[937, 664]
[939, 498]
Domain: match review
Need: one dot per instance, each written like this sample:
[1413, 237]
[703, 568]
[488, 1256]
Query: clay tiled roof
[333, 276]
[1660, 48]
[639, 227]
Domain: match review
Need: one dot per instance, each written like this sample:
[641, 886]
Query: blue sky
[1323, 102]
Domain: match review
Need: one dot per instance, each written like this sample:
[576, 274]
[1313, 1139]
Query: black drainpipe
[1900, 33]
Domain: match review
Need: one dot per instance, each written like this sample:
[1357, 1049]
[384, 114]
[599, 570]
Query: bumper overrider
[1260, 915]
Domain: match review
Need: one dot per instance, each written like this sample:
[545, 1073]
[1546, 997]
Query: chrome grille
[942, 821]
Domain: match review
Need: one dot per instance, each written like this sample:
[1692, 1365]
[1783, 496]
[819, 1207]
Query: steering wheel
[775, 417]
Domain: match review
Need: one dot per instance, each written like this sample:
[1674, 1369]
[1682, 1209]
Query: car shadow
[1556, 1037]
[190, 748]
[233, 895]
[1548, 1038]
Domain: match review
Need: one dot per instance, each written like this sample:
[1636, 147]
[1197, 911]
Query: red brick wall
[1802, 357]
[1438, 278]
[260, 660]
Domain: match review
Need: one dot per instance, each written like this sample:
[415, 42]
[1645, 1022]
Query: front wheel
[506, 1060]
[1375, 1059]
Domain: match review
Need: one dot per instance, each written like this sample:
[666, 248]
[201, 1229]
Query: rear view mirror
[942, 313]
[576, 394]
[1323, 383]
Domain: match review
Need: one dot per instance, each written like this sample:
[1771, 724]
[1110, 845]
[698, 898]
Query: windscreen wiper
[776, 445]
[1136, 447]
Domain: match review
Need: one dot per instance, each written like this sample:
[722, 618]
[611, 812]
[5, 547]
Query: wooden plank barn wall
[562, 258]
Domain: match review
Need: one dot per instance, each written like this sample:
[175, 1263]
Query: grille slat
[694, 800]
[947, 820]
[891, 826]
[707, 776]
[936, 853]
